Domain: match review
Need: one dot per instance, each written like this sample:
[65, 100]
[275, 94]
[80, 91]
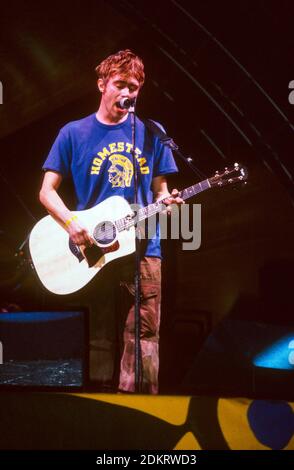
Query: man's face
[116, 88]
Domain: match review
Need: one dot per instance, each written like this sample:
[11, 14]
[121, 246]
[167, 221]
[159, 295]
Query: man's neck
[105, 118]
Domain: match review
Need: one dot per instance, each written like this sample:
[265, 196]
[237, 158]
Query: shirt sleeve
[59, 157]
[164, 160]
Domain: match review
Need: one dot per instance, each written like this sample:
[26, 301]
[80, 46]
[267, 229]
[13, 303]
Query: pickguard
[91, 254]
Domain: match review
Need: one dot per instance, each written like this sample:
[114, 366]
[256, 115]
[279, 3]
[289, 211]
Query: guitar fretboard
[195, 189]
[159, 206]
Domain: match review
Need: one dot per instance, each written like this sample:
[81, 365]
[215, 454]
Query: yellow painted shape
[187, 442]
[232, 416]
[171, 409]
[290, 446]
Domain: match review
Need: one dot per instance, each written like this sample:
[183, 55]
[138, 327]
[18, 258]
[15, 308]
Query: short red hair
[125, 63]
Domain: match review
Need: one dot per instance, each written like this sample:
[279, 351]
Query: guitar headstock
[232, 175]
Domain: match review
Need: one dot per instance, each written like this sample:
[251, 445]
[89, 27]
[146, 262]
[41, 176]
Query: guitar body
[62, 270]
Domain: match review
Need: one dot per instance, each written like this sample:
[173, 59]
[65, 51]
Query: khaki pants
[112, 343]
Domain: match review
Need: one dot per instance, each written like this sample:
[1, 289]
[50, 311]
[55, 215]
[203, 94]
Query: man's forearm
[55, 206]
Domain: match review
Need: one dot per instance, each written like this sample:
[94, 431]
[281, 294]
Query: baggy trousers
[112, 342]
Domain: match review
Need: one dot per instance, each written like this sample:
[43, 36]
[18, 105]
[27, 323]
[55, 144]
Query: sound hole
[105, 233]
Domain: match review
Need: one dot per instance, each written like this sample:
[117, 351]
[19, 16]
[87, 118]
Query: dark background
[218, 77]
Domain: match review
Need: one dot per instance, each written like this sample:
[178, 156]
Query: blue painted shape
[272, 422]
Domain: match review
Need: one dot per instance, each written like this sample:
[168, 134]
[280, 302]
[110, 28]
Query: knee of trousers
[149, 311]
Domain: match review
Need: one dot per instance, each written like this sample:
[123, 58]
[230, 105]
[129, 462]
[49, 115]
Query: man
[96, 152]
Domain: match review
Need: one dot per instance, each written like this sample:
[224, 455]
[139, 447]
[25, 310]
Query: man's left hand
[173, 198]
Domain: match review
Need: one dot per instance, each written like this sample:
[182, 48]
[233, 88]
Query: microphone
[126, 103]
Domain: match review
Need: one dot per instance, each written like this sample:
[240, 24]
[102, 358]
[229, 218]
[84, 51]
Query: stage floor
[78, 421]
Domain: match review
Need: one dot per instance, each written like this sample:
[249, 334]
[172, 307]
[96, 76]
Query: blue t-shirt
[98, 158]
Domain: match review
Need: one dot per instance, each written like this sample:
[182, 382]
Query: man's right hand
[79, 234]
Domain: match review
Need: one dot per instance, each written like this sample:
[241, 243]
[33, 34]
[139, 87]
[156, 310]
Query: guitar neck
[195, 189]
[158, 206]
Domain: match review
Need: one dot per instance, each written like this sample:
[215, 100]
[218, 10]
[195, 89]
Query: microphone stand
[138, 355]
[169, 142]
[165, 140]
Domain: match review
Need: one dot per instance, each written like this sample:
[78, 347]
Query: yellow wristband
[69, 221]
